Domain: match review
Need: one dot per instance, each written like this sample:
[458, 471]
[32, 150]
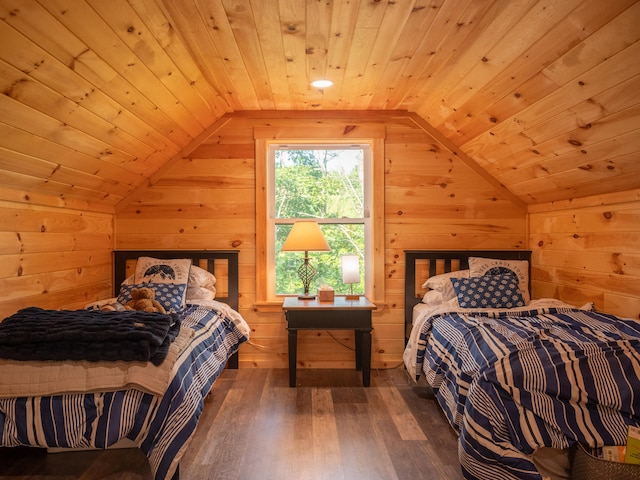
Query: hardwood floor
[254, 426]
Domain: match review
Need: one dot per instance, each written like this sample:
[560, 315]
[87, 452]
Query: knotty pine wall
[53, 257]
[432, 200]
[587, 250]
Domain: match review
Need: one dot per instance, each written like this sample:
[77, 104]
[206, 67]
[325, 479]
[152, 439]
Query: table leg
[358, 350]
[293, 354]
[366, 358]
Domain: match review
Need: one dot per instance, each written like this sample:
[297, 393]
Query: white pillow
[494, 266]
[201, 284]
[432, 297]
[442, 283]
[200, 293]
[199, 277]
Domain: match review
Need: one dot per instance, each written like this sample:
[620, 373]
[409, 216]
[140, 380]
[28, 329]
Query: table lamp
[305, 236]
[351, 273]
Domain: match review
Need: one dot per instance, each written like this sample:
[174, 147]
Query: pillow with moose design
[164, 271]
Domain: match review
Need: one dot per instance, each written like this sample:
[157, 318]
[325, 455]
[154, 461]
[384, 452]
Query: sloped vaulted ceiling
[544, 95]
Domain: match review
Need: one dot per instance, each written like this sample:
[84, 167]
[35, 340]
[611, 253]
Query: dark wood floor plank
[270, 451]
[255, 427]
[362, 443]
[227, 433]
[326, 446]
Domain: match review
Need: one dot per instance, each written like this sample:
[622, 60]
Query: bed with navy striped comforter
[161, 425]
[511, 382]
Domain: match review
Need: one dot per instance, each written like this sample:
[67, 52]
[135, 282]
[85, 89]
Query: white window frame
[331, 133]
[272, 221]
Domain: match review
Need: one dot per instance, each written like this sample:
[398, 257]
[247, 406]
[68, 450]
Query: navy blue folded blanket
[94, 335]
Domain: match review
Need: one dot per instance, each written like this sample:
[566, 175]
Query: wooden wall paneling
[211, 18]
[206, 201]
[597, 138]
[613, 37]
[91, 82]
[99, 37]
[362, 39]
[343, 20]
[203, 198]
[446, 144]
[133, 32]
[269, 28]
[132, 134]
[197, 24]
[219, 204]
[217, 241]
[317, 34]
[406, 47]
[293, 17]
[59, 280]
[495, 41]
[161, 28]
[381, 48]
[135, 84]
[53, 257]
[17, 140]
[58, 193]
[195, 226]
[247, 46]
[503, 97]
[59, 299]
[588, 253]
[33, 197]
[453, 22]
[605, 76]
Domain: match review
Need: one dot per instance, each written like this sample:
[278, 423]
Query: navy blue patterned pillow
[169, 295]
[488, 291]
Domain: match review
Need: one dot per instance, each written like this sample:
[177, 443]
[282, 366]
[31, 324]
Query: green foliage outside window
[324, 185]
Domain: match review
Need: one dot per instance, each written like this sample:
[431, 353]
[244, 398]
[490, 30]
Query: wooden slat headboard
[222, 263]
[224, 260]
[434, 262]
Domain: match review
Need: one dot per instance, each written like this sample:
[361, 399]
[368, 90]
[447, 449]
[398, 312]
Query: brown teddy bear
[144, 299]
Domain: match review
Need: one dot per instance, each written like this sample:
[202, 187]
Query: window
[336, 134]
[328, 183]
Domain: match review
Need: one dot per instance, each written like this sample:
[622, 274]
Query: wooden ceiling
[543, 94]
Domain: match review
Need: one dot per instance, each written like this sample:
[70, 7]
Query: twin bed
[77, 403]
[521, 381]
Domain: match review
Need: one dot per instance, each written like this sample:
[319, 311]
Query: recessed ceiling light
[321, 83]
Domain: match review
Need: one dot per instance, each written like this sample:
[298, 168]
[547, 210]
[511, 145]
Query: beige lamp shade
[305, 236]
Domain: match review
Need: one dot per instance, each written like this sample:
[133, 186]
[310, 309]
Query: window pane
[344, 239]
[319, 183]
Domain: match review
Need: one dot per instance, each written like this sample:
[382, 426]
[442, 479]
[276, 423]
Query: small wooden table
[341, 314]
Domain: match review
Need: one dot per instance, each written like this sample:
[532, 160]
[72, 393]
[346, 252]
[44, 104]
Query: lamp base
[306, 297]
[352, 297]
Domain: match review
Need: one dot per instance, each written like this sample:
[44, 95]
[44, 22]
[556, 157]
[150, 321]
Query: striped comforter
[511, 382]
[161, 426]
